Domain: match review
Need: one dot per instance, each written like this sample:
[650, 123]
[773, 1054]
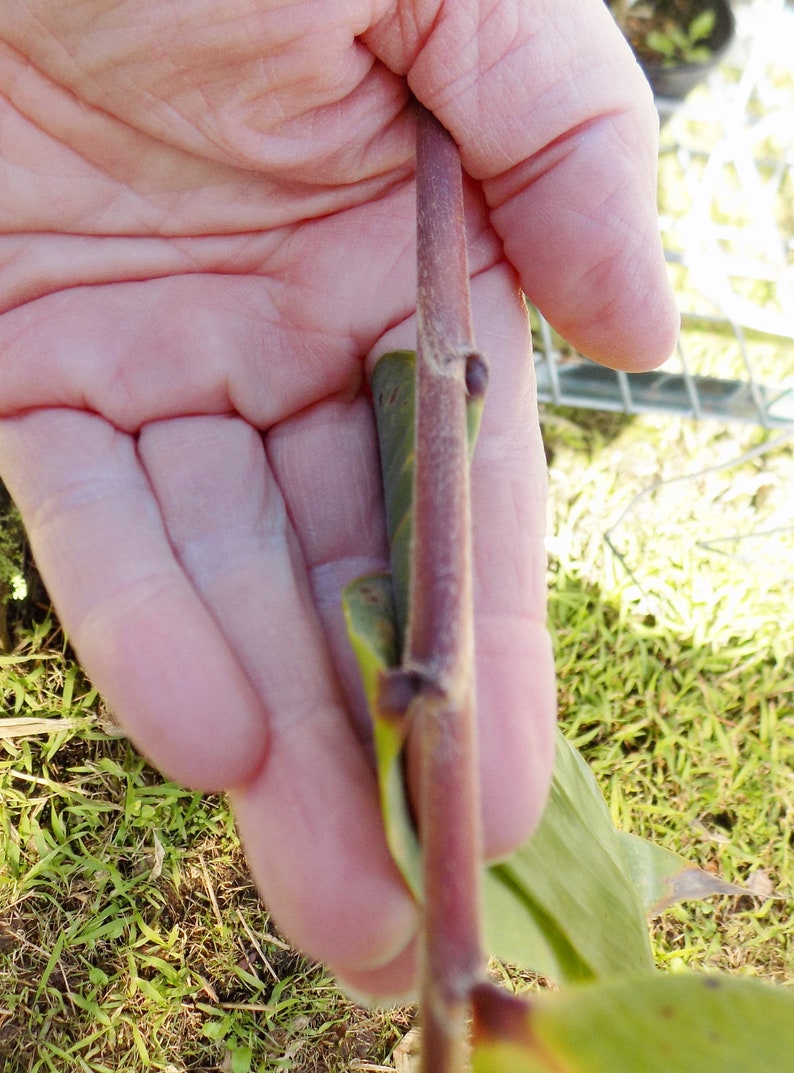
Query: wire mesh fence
[726, 204]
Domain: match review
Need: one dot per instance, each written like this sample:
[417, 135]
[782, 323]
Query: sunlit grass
[675, 654]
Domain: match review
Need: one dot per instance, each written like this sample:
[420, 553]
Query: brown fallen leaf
[407, 1051]
[759, 884]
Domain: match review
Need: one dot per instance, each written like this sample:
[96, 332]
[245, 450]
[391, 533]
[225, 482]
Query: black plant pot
[675, 82]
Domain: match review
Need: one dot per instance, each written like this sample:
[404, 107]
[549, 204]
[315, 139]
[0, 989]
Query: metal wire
[730, 144]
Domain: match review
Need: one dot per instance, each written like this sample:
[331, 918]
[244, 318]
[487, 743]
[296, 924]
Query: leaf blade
[659, 1023]
[574, 870]
[663, 878]
[368, 607]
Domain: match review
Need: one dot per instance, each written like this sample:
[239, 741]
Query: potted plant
[676, 42]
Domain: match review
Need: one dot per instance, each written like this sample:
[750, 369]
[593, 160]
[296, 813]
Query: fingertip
[392, 984]
[583, 233]
[568, 170]
[635, 328]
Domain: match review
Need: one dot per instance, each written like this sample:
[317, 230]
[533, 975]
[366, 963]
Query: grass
[130, 935]
[675, 660]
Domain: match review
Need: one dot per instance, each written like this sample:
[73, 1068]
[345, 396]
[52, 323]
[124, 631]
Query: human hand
[207, 234]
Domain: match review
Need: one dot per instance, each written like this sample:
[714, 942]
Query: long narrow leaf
[394, 398]
[368, 606]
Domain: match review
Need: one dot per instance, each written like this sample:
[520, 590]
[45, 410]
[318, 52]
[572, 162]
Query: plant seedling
[676, 44]
[666, 33]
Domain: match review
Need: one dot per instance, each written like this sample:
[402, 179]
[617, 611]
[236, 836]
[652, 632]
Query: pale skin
[207, 238]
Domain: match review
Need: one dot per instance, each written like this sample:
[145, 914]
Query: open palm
[207, 235]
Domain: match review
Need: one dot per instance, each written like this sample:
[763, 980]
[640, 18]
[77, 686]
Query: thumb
[557, 121]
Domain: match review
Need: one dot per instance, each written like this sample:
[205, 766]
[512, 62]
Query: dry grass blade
[28, 726]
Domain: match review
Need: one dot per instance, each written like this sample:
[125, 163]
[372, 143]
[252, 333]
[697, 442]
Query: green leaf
[394, 400]
[571, 903]
[582, 914]
[702, 26]
[368, 606]
[661, 43]
[638, 1024]
[393, 394]
[662, 878]
[518, 931]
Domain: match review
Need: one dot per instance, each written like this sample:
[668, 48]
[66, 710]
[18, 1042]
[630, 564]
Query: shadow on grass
[693, 746]
[583, 430]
